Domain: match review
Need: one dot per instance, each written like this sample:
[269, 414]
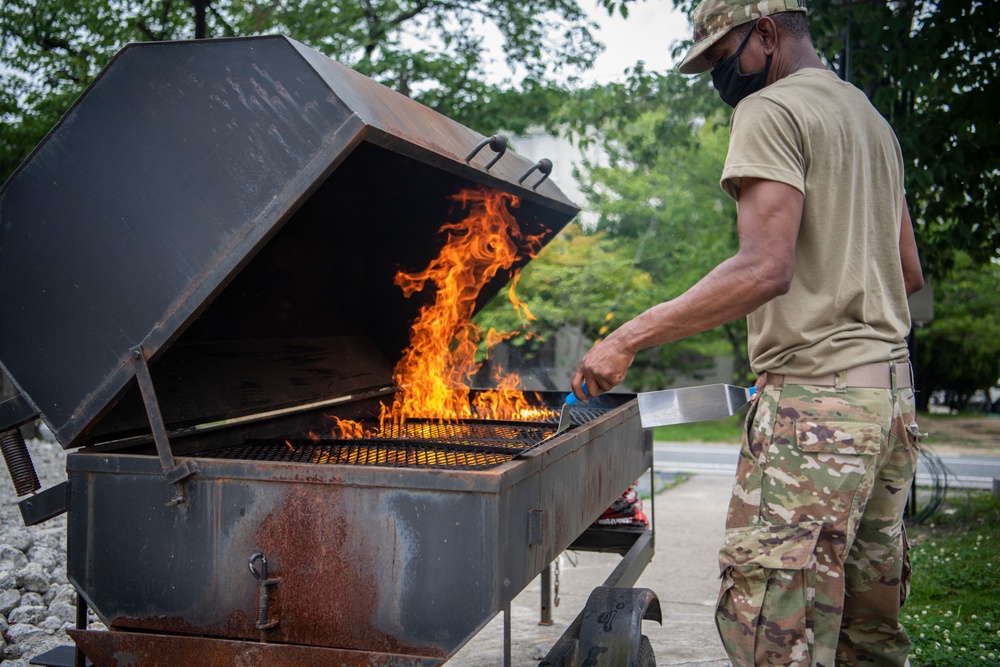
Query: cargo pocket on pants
[765, 609]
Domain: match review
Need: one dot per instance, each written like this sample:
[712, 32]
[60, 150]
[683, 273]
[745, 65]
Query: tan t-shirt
[847, 303]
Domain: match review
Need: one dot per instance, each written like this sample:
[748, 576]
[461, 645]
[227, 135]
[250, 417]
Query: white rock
[32, 577]
[34, 644]
[63, 593]
[51, 624]
[24, 614]
[7, 578]
[32, 600]
[12, 558]
[45, 557]
[9, 599]
[19, 538]
[64, 611]
[20, 632]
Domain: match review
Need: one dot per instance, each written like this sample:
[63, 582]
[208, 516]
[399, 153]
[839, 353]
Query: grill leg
[79, 659]
[546, 596]
[506, 623]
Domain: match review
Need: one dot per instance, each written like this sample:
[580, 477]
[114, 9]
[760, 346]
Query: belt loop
[893, 378]
[840, 383]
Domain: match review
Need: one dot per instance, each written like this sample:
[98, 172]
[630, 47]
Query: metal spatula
[564, 417]
[691, 404]
[564, 423]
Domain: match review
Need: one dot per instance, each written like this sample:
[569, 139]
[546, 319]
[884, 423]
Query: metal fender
[611, 629]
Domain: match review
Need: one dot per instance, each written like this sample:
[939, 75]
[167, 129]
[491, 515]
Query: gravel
[37, 602]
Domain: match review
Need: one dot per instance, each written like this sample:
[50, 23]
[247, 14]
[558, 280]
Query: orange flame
[434, 372]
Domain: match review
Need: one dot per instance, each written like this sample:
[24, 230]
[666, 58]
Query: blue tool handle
[752, 391]
[571, 398]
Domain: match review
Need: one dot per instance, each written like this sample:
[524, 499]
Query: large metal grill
[241, 293]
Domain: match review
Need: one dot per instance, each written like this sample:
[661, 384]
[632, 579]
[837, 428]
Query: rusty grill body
[196, 274]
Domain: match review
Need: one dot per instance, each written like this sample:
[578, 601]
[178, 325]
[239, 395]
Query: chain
[556, 601]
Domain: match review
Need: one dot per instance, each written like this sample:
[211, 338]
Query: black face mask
[732, 84]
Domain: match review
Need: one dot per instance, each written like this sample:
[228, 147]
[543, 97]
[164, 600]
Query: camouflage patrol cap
[712, 19]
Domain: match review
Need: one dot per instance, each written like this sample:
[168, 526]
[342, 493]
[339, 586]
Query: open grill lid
[238, 208]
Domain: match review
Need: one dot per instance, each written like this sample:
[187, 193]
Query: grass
[728, 430]
[953, 614]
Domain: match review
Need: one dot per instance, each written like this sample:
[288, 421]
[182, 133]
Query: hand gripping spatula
[691, 404]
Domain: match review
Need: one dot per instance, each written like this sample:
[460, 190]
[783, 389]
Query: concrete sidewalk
[689, 521]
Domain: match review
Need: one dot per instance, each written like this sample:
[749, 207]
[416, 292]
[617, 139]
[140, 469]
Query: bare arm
[913, 275]
[769, 214]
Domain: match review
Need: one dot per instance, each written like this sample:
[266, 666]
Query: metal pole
[79, 659]
[546, 596]
[506, 623]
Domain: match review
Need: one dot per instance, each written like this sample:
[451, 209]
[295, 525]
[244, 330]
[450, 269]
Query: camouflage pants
[814, 568]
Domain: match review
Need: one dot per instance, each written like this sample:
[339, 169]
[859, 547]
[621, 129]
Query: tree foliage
[575, 281]
[959, 352]
[436, 51]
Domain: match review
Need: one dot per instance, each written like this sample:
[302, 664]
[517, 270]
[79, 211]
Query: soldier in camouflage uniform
[814, 565]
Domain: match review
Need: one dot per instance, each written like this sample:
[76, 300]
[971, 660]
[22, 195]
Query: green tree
[959, 352]
[931, 68]
[574, 282]
[432, 50]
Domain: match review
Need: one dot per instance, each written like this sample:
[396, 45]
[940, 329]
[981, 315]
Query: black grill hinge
[173, 473]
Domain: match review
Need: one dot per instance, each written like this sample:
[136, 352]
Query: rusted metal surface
[383, 560]
[127, 649]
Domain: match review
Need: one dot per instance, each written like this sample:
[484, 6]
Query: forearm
[733, 289]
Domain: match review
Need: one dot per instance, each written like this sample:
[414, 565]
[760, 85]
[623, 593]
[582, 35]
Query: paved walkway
[689, 521]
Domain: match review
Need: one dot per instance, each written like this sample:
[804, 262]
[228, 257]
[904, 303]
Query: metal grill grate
[470, 445]
[581, 415]
[362, 452]
[509, 435]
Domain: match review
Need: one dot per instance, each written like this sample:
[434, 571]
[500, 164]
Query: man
[814, 564]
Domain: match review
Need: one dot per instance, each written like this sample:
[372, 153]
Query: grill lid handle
[497, 143]
[544, 166]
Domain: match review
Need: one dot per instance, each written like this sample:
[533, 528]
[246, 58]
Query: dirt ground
[962, 436]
